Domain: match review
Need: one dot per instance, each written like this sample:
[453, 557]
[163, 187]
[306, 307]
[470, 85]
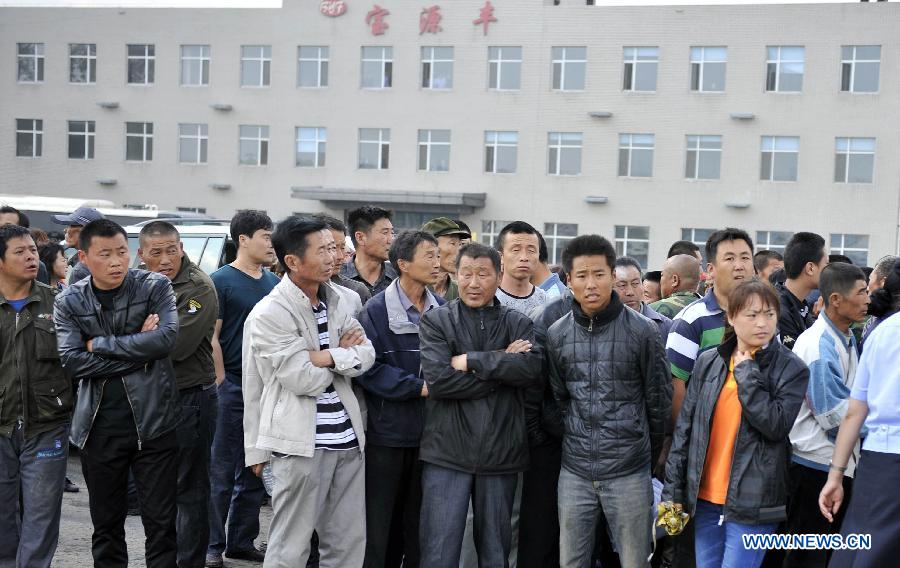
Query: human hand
[321, 358]
[151, 323]
[460, 363]
[258, 469]
[519, 346]
[352, 338]
[830, 498]
[424, 389]
[741, 355]
[90, 345]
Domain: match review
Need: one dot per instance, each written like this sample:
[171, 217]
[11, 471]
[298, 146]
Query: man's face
[425, 267]
[9, 218]
[591, 282]
[377, 241]
[448, 246]
[107, 258]
[817, 269]
[162, 254]
[478, 281]
[71, 233]
[317, 262]
[773, 265]
[875, 283]
[629, 286]
[20, 263]
[520, 255]
[855, 305]
[651, 291]
[733, 265]
[258, 248]
[340, 246]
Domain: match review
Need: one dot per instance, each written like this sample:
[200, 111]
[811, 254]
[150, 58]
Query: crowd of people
[426, 400]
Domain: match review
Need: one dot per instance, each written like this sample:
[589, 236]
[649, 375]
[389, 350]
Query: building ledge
[341, 198]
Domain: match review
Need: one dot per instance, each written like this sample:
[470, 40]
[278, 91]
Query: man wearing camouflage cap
[448, 235]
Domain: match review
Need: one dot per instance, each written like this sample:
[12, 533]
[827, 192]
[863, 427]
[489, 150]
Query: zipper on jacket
[137, 429]
[19, 374]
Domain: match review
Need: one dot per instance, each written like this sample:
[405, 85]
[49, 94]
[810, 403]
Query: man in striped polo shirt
[302, 346]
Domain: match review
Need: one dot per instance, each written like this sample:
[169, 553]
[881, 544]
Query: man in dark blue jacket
[395, 396]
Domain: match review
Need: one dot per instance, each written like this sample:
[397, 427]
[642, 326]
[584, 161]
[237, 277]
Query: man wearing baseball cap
[74, 222]
[448, 235]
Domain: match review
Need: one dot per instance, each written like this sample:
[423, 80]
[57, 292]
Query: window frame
[490, 230]
[690, 234]
[262, 143]
[774, 151]
[90, 59]
[699, 150]
[149, 60]
[781, 235]
[630, 149]
[430, 63]
[849, 152]
[265, 65]
[634, 61]
[555, 240]
[146, 140]
[850, 251]
[38, 62]
[320, 139]
[201, 139]
[852, 62]
[428, 144]
[322, 65]
[37, 137]
[701, 68]
[386, 60]
[496, 145]
[559, 147]
[622, 243]
[204, 60]
[382, 143]
[500, 61]
[89, 134]
[778, 62]
[563, 62]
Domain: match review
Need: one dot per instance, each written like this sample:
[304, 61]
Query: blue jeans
[445, 501]
[720, 545]
[199, 407]
[236, 494]
[28, 536]
[626, 501]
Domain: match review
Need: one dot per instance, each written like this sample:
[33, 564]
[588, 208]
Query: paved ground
[75, 529]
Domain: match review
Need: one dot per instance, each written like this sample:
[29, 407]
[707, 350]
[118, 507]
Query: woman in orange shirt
[728, 466]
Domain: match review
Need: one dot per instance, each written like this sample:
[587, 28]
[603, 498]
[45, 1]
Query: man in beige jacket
[301, 349]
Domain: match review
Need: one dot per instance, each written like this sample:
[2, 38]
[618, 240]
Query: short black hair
[333, 223]
[722, 235]
[867, 270]
[103, 228]
[405, 244]
[802, 248]
[626, 261]
[10, 231]
[777, 277]
[157, 229]
[475, 251]
[839, 277]
[683, 247]
[886, 300]
[653, 276]
[363, 218]
[543, 253]
[762, 258]
[289, 236]
[516, 228]
[588, 245]
[23, 218]
[48, 254]
[247, 222]
[839, 258]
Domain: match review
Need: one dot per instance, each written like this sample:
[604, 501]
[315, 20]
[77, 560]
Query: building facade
[644, 124]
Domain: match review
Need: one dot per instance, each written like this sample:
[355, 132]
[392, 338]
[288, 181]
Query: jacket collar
[606, 315]
[763, 357]
[297, 300]
[184, 273]
[650, 313]
[398, 319]
[494, 306]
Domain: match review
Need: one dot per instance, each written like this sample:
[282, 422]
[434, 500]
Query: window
[138, 141]
[256, 64]
[141, 64]
[856, 247]
[31, 62]
[779, 158]
[437, 67]
[634, 242]
[377, 67]
[81, 139]
[194, 65]
[569, 65]
[29, 137]
[312, 66]
[374, 148]
[708, 69]
[636, 155]
[860, 67]
[193, 142]
[83, 63]
[773, 240]
[704, 157]
[201, 210]
[434, 150]
[784, 69]
[490, 230]
[854, 160]
[640, 68]
[500, 152]
[310, 151]
[699, 238]
[564, 153]
[504, 68]
[558, 236]
[254, 145]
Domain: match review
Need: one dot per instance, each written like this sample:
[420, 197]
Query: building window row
[854, 160]
[784, 71]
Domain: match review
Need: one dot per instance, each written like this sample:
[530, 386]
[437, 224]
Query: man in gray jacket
[301, 349]
[608, 371]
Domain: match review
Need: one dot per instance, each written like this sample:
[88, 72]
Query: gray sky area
[277, 3]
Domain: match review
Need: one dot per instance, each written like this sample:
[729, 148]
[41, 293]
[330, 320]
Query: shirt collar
[848, 338]
[711, 303]
[430, 301]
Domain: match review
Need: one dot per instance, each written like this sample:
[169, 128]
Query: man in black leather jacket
[608, 370]
[115, 331]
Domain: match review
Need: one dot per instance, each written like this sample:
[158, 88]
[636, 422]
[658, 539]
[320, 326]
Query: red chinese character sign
[333, 8]
[486, 16]
[430, 19]
[375, 20]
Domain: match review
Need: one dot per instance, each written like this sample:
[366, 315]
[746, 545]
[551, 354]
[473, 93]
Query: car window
[193, 246]
[212, 254]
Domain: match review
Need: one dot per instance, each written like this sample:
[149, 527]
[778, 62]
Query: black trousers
[538, 515]
[393, 502]
[804, 516]
[105, 461]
